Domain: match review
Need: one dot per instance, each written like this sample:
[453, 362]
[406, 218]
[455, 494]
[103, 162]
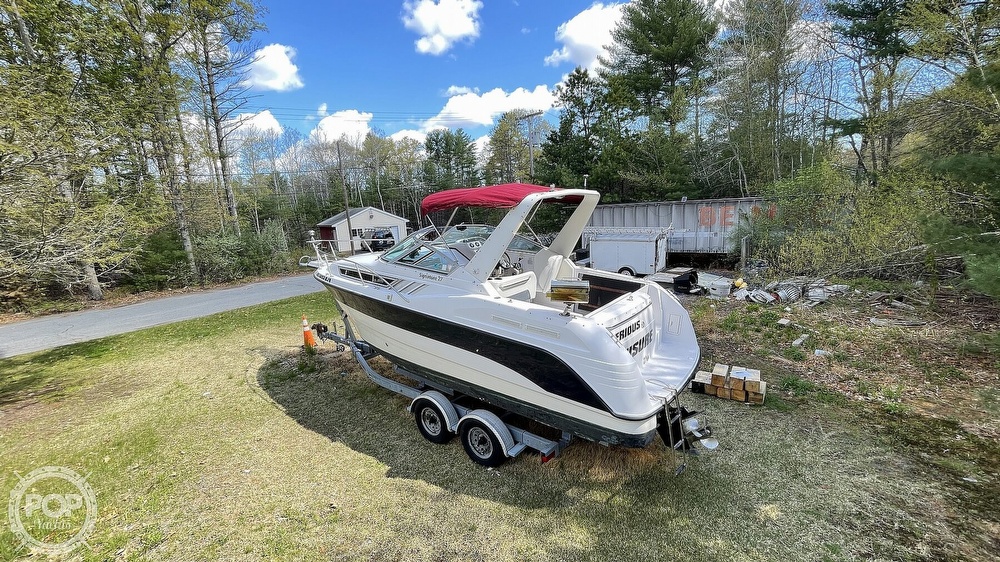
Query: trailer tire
[627, 271]
[481, 443]
[431, 421]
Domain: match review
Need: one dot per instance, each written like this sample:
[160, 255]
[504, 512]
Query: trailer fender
[495, 425]
[443, 404]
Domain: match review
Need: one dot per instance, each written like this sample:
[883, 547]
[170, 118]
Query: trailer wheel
[481, 444]
[431, 422]
[627, 271]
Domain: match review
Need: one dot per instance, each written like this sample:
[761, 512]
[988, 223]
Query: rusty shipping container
[703, 226]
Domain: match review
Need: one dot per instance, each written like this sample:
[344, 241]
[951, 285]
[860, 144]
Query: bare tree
[221, 55]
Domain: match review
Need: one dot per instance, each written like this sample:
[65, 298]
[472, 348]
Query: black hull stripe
[533, 363]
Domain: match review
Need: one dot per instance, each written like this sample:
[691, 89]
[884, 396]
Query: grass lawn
[219, 438]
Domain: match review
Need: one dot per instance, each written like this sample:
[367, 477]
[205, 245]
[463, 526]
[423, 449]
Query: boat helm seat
[548, 273]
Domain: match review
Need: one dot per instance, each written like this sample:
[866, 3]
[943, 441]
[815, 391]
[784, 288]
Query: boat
[498, 315]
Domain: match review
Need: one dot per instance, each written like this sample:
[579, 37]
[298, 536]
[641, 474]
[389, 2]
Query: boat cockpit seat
[549, 273]
[521, 286]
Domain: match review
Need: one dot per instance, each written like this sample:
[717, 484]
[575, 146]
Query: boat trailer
[487, 438]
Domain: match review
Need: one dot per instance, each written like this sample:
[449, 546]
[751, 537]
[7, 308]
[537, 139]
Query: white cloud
[349, 123]
[418, 136]
[459, 90]
[263, 122]
[475, 110]
[481, 144]
[272, 69]
[441, 23]
[321, 112]
[584, 38]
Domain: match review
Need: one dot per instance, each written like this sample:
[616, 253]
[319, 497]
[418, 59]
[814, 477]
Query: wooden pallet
[732, 383]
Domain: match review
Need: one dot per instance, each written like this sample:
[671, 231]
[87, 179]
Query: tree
[450, 159]
[61, 221]
[872, 40]
[659, 170]
[375, 153]
[221, 56]
[958, 36]
[405, 167]
[507, 157]
[758, 67]
[659, 51]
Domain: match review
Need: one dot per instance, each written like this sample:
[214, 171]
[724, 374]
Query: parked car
[381, 240]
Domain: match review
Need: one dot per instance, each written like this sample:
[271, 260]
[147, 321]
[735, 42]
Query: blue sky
[403, 68]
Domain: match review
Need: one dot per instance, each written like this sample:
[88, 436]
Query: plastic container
[720, 289]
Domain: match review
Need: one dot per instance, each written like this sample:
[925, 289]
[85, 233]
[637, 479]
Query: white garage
[366, 222]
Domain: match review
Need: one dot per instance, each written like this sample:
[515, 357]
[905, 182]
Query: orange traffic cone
[308, 340]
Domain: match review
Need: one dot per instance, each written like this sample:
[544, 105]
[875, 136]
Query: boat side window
[417, 254]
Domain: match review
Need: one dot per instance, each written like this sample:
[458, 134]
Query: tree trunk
[94, 291]
[22, 31]
[220, 137]
[163, 147]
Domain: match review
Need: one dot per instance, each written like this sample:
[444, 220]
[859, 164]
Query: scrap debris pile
[809, 291]
[895, 310]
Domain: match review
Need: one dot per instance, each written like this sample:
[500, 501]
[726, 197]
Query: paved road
[73, 327]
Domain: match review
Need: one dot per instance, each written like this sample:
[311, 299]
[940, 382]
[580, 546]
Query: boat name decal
[431, 277]
[628, 330]
[640, 344]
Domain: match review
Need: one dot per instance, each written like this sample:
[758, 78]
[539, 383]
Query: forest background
[874, 125]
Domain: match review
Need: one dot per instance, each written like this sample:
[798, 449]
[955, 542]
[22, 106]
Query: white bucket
[720, 289]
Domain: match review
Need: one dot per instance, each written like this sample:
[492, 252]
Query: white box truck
[630, 251]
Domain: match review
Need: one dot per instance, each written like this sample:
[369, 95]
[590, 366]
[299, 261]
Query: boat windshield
[423, 249]
[473, 236]
[427, 249]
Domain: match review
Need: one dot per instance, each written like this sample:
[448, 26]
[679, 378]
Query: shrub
[828, 224]
[159, 264]
[227, 257]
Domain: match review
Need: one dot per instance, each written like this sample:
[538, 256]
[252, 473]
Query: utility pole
[531, 142]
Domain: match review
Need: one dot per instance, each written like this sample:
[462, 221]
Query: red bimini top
[502, 196]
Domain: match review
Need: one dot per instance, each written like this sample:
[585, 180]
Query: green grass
[219, 438]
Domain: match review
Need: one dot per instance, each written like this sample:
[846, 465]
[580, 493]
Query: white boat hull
[473, 374]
